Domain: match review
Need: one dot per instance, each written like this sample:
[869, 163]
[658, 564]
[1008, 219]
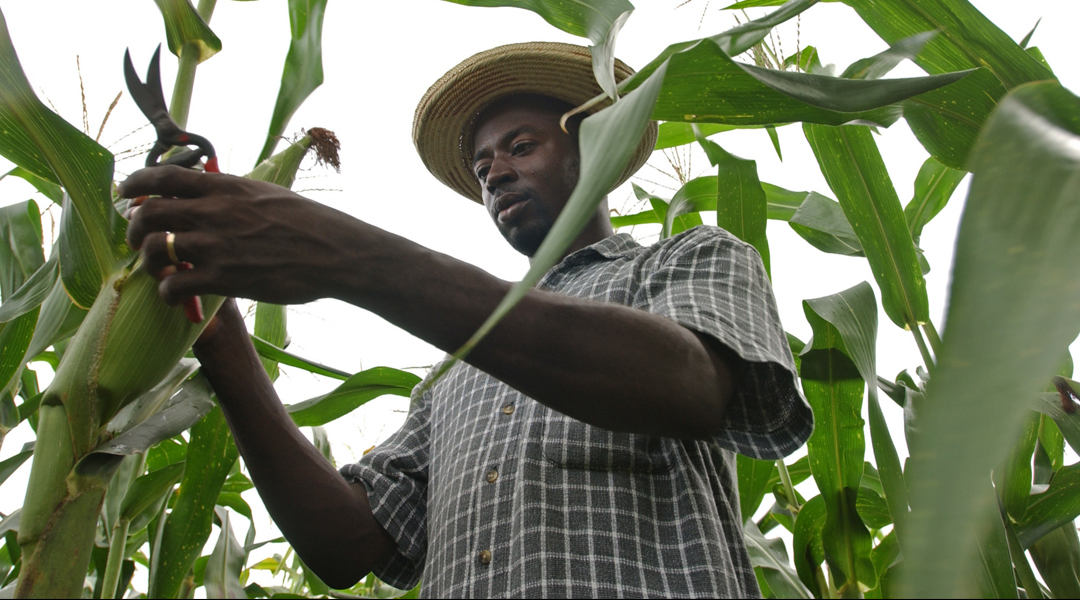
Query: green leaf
[210, 457]
[303, 67]
[885, 556]
[347, 397]
[806, 544]
[994, 571]
[15, 339]
[1057, 556]
[678, 134]
[1011, 315]
[880, 64]
[21, 253]
[48, 146]
[151, 402]
[770, 556]
[48, 188]
[1068, 422]
[1020, 562]
[147, 491]
[270, 325]
[834, 388]
[872, 509]
[1027, 38]
[271, 352]
[642, 218]
[741, 204]
[1058, 505]
[32, 293]
[775, 139]
[850, 161]
[967, 39]
[754, 476]
[59, 317]
[782, 203]
[182, 411]
[12, 464]
[1013, 481]
[759, 3]
[222, 575]
[703, 84]
[853, 313]
[947, 121]
[697, 195]
[821, 221]
[584, 18]
[934, 186]
[183, 26]
[236, 502]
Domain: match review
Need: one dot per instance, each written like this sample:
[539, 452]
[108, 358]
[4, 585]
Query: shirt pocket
[572, 444]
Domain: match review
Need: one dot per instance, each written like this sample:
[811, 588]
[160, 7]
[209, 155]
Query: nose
[500, 172]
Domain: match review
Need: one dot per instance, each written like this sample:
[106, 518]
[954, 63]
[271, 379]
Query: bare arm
[611, 366]
[327, 520]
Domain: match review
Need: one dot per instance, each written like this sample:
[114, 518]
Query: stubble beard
[527, 238]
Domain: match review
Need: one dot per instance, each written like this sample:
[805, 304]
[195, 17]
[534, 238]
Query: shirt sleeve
[395, 474]
[709, 281]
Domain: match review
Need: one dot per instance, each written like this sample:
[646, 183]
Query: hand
[244, 238]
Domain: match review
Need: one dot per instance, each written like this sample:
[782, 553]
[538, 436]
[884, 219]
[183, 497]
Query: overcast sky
[379, 58]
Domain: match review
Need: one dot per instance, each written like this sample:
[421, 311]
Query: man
[586, 449]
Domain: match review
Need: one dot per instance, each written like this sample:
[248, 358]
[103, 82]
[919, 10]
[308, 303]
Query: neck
[598, 228]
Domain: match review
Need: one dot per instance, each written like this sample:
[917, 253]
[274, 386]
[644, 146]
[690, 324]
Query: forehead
[536, 112]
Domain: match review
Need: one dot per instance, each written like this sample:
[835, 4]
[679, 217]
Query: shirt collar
[609, 247]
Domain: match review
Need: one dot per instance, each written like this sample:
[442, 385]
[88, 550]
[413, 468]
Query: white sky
[379, 58]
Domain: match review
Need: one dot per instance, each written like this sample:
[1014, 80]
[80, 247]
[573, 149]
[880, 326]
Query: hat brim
[444, 120]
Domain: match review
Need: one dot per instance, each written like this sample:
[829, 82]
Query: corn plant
[984, 504]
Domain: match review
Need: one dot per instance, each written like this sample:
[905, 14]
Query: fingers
[171, 181]
[158, 215]
[190, 247]
[184, 284]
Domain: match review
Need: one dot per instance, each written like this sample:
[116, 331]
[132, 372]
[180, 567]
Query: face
[527, 167]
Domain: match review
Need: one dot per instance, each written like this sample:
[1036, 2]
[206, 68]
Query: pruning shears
[151, 101]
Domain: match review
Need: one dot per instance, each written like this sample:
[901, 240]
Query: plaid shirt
[492, 494]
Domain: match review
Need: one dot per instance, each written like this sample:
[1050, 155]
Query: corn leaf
[993, 561]
[678, 134]
[92, 244]
[880, 64]
[1013, 480]
[48, 188]
[947, 121]
[1057, 556]
[15, 336]
[1011, 315]
[741, 204]
[853, 167]
[303, 67]
[754, 476]
[967, 39]
[183, 410]
[853, 312]
[821, 221]
[934, 185]
[12, 464]
[769, 555]
[59, 318]
[806, 544]
[210, 457]
[270, 326]
[21, 253]
[150, 403]
[1058, 505]
[781, 203]
[222, 576]
[33, 292]
[183, 25]
[834, 388]
[350, 395]
[697, 195]
[146, 491]
[271, 352]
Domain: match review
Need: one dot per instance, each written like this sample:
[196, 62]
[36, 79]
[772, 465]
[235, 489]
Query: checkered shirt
[492, 494]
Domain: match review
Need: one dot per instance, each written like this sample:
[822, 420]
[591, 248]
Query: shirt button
[492, 475]
[485, 557]
[508, 409]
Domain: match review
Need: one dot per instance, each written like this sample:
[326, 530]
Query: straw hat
[444, 120]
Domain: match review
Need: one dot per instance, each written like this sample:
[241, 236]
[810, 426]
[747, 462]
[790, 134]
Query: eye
[521, 147]
[481, 173]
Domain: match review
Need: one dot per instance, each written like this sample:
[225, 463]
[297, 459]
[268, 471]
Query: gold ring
[170, 247]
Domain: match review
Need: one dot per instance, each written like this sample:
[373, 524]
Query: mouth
[509, 206]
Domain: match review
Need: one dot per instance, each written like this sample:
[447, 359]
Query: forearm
[608, 365]
[327, 520]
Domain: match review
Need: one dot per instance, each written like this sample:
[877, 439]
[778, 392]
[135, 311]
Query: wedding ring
[170, 247]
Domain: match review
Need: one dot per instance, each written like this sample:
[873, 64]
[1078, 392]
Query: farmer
[587, 446]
